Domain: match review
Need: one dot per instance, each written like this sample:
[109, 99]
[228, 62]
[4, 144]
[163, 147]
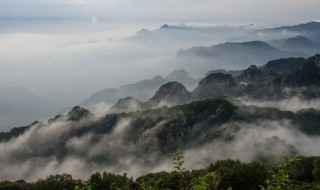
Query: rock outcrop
[171, 93]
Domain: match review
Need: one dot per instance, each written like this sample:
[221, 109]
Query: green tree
[208, 182]
[316, 169]
[58, 181]
[178, 161]
[280, 179]
[83, 186]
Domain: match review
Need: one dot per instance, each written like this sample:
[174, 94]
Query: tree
[210, 181]
[83, 186]
[280, 179]
[178, 161]
[316, 169]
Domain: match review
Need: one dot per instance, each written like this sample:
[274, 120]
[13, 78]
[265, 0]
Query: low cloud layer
[294, 103]
[59, 147]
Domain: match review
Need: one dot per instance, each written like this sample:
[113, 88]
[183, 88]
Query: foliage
[83, 186]
[177, 161]
[239, 175]
[58, 181]
[293, 174]
[316, 170]
[210, 181]
[279, 177]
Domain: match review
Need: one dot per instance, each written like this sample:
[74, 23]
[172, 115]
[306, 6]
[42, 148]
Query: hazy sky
[69, 49]
[59, 43]
[219, 11]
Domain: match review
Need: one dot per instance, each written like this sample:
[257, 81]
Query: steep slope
[128, 104]
[122, 142]
[215, 84]
[251, 75]
[307, 74]
[142, 90]
[171, 93]
[183, 77]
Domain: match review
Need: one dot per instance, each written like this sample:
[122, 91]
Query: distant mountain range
[270, 81]
[309, 30]
[234, 55]
[209, 121]
[228, 33]
[142, 90]
[298, 44]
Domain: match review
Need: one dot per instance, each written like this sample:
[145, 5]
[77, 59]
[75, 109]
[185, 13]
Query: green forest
[296, 173]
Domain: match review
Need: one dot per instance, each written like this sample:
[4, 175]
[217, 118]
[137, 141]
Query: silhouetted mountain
[171, 93]
[305, 75]
[283, 65]
[285, 77]
[298, 44]
[77, 113]
[234, 73]
[151, 136]
[195, 34]
[309, 30]
[108, 95]
[215, 84]
[127, 105]
[142, 90]
[184, 78]
[234, 55]
[251, 75]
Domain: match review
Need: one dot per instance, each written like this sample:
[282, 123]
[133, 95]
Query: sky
[70, 49]
[232, 11]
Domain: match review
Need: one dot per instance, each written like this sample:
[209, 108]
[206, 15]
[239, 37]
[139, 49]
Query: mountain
[283, 65]
[212, 128]
[167, 33]
[171, 93]
[285, 77]
[234, 73]
[184, 78]
[215, 84]
[233, 55]
[298, 44]
[202, 122]
[109, 95]
[306, 75]
[142, 90]
[127, 105]
[309, 30]
[251, 75]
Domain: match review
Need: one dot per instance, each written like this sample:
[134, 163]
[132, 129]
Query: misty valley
[178, 107]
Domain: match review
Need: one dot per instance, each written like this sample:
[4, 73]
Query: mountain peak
[170, 93]
[215, 84]
[178, 74]
[77, 113]
[165, 26]
[128, 104]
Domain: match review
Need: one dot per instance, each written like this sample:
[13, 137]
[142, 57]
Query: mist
[74, 145]
[60, 63]
[294, 103]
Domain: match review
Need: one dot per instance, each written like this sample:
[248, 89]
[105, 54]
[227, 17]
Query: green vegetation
[178, 161]
[294, 174]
